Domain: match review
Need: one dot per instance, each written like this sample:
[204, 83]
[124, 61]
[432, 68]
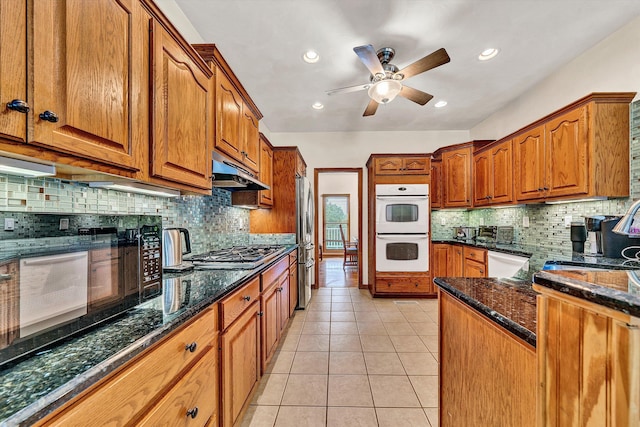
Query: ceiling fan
[386, 79]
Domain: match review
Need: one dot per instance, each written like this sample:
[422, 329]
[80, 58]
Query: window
[335, 212]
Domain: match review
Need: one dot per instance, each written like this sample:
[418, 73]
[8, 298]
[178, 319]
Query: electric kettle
[172, 247]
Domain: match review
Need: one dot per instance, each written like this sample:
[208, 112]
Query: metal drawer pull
[191, 347]
[279, 289]
[49, 116]
[247, 298]
[193, 412]
[18, 105]
[260, 313]
[4, 277]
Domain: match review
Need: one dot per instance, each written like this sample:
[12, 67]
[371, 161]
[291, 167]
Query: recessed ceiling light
[318, 106]
[440, 104]
[311, 57]
[488, 54]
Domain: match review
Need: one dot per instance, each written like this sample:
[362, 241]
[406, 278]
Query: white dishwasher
[505, 265]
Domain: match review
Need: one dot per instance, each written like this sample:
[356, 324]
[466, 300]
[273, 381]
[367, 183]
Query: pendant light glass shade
[384, 91]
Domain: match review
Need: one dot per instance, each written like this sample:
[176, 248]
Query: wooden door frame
[316, 173]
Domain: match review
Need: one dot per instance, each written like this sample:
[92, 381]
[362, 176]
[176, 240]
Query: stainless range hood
[231, 176]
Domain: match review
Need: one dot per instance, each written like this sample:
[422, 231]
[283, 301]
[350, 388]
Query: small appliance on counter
[578, 237]
[464, 233]
[594, 233]
[504, 235]
[173, 248]
[487, 234]
[613, 243]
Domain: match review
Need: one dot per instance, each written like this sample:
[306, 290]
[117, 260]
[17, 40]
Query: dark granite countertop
[36, 386]
[510, 303]
[615, 289]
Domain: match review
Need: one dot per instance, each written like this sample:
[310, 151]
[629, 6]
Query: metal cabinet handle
[191, 347]
[545, 188]
[247, 298]
[193, 412]
[260, 313]
[481, 271]
[4, 277]
[49, 116]
[18, 105]
[416, 284]
[280, 289]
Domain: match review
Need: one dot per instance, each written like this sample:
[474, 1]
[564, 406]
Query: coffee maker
[594, 234]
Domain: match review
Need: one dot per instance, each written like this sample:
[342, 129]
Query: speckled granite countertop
[509, 303]
[615, 289]
[38, 385]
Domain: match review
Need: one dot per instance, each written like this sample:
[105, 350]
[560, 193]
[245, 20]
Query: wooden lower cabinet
[475, 262]
[404, 283]
[275, 307]
[487, 376]
[440, 255]
[455, 268]
[293, 286]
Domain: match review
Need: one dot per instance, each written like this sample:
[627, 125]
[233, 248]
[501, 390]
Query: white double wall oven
[402, 227]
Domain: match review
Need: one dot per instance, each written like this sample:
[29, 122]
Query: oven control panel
[150, 261]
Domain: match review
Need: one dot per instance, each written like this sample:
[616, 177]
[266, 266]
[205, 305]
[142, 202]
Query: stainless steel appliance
[304, 213]
[231, 176]
[175, 243]
[505, 234]
[487, 233]
[464, 233]
[150, 261]
[402, 228]
[237, 257]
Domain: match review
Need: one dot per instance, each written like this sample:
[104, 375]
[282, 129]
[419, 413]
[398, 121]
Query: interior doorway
[338, 226]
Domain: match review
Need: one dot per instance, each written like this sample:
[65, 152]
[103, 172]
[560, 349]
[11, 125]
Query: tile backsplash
[546, 222]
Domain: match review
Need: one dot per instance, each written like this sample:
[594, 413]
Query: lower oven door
[402, 252]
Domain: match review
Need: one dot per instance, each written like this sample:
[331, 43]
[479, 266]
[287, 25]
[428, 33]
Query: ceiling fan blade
[430, 61]
[371, 108]
[415, 95]
[348, 89]
[369, 58]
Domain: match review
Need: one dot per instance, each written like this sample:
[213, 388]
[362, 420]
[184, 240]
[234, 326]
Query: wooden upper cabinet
[482, 178]
[266, 170]
[529, 160]
[436, 184]
[229, 119]
[301, 165]
[493, 176]
[402, 165]
[13, 69]
[456, 168]
[181, 120]
[250, 140]
[87, 58]
[566, 154]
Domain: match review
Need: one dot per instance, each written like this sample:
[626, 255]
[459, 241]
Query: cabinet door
[228, 117]
[440, 259]
[416, 165]
[502, 173]
[87, 62]
[473, 268]
[180, 147]
[529, 160]
[455, 266]
[436, 184]
[266, 172]
[567, 144]
[388, 165]
[270, 306]
[251, 140]
[283, 291]
[240, 363]
[482, 179]
[13, 68]
[456, 167]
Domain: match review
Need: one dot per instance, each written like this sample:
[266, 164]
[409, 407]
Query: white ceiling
[263, 41]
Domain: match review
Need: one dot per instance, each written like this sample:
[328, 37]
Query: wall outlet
[567, 221]
[64, 224]
[443, 221]
[525, 221]
[9, 224]
[481, 221]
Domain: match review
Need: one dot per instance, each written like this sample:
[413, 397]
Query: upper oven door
[402, 252]
[402, 208]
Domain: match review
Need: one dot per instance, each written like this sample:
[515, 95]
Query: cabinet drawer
[193, 400]
[293, 257]
[273, 273]
[123, 397]
[233, 305]
[403, 284]
[104, 254]
[475, 254]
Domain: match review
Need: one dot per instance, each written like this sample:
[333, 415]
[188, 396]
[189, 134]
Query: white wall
[339, 183]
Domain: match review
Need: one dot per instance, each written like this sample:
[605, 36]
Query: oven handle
[402, 236]
[407, 197]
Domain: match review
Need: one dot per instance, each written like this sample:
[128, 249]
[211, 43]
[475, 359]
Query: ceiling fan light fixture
[318, 105]
[384, 91]
[487, 54]
[440, 104]
[311, 57]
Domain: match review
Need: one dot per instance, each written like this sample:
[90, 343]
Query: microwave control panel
[150, 261]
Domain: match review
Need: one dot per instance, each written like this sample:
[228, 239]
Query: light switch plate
[525, 221]
[64, 224]
[443, 221]
[9, 224]
[567, 221]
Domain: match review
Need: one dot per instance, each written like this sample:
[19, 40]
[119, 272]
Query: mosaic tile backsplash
[546, 222]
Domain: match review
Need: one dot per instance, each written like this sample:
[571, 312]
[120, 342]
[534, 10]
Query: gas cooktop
[237, 257]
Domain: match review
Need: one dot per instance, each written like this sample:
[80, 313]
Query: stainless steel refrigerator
[304, 238]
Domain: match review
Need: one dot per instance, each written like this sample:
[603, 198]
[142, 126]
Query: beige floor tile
[349, 390]
[377, 343]
[319, 306]
[406, 344]
[425, 328]
[310, 342]
[418, 363]
[431, 341]
[306, 390]
[311, 362]
[416, 316]
[317, 328]
[383, 364]
[295, 328]
[402, 396]
[351, 417]
[260, 416]
[322, 298]
[289, 343]
[435, 356]
[368, 316]
[405, 417]
[409, 306]
[341, 298]
[432, 414]
[341, 291]
[318, 316]
[371, 328]
[433, 317]
[345, 343]
[301, 416]
[363, 306]
[392, 316]
[341, 306]
[321, 291]
[399, 328]
[344, 328]
[342, 316]
[348, 363]
[270, 389]
[426, 387]
[281, 362]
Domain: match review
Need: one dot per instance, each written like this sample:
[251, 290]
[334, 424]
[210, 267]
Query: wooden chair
[350, 251]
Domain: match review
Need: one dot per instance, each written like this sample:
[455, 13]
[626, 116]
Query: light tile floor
[351, 360]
